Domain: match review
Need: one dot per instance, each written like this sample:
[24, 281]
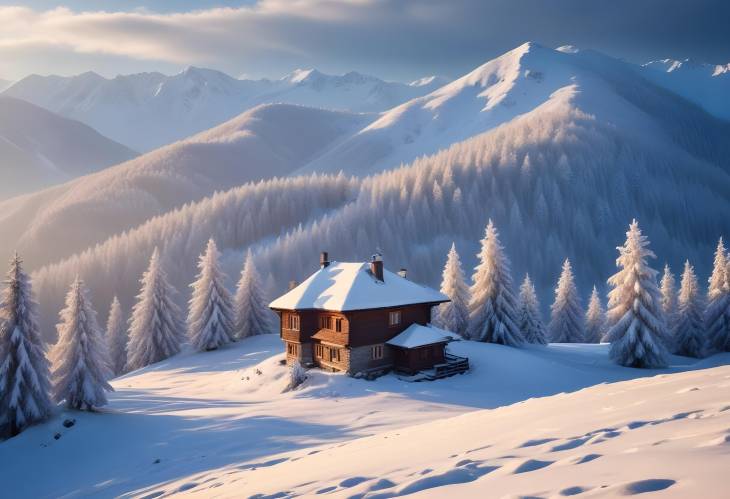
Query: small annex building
[360, 318]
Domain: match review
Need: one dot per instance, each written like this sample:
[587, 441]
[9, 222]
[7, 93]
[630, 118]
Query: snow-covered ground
[220, 424]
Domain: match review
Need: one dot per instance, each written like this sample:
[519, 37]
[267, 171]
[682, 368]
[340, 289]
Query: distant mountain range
[149, 110]
[560, 147]
[39, 148]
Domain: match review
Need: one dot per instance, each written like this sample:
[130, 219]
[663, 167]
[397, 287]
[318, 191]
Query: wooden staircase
[453, 365]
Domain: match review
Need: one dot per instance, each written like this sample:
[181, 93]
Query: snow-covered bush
[252, 315]
[689, 334]
[454, 315]
[493, 306]
[530, 322]
[24, 374]
[567, 317]
[637, 331]
[297, 375]
[80, 357]
[210, 319]
[155, 327]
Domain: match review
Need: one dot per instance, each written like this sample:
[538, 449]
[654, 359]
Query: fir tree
[493, 306]
[210, 319]
[637, 331]
[717, 314]
[156, 330]
[689, 338]
[116, 338]
[252, 314]
[530, 323]
[24, 373]
[454, 315]
[595, 319]
[80, 358]
[567, 317]
[669, 299]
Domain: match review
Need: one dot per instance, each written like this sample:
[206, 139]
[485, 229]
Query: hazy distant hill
[39, 148]
[150, 110]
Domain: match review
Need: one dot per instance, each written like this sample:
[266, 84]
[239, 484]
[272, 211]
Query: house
[361, 318]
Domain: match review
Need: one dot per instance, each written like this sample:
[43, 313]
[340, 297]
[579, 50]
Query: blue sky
[394, 39]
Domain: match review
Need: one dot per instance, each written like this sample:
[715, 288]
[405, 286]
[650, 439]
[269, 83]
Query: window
[394, 318]
[292, 322]
[334, 354]
[377, 352]
[319, 350]
[292, 349]
[338, 325]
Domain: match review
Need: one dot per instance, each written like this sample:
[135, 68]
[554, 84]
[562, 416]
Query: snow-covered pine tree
[454, 315]
[116, 338]
[595, 319]
[24, 374]
[211, 318]
[80, 357]
[493, 306]
[156, 329]
[530, 322]
[567, 316]
[252, 315]
[637, 331]
[717, 314]
[689, 334]
[669, 298]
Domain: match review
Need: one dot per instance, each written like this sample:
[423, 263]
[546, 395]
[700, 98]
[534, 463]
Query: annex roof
[417, 335]
[340, 287]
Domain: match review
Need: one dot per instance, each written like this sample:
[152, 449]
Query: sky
[394, 39]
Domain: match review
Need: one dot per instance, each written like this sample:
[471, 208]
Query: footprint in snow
[644, 486]
[531, 465]
[571, 444]
[586, 459]
[573, 491]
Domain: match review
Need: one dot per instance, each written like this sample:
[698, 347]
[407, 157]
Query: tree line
[644, 320]
[77, 368]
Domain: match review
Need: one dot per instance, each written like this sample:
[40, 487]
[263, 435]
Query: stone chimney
[376, 266]
[403, 273]
[324, 260]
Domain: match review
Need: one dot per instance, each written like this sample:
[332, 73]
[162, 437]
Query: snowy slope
[39, 148]
[265, 142]
[218, 424]
[707, 85]
[511, 85]
[5, 84]
[149, 110]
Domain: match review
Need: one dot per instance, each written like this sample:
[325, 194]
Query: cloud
[396, 37]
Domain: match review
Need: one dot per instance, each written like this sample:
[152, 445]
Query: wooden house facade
[345, 316]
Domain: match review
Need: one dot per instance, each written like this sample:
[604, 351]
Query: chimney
[376, 266]
[324, 260]
[292, 285]
[403, 273]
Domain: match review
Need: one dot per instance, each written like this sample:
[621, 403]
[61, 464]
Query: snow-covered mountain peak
[300, 75]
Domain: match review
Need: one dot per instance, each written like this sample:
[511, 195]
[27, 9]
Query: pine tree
[210, 319]
[689, 337]
[669, 299]
[454, 315]
[116, 338]
[530, 323]
[637, 331]
[567, 317]
[24, 373]
[717, 314]
[595, 319]
[80, 358]
[493, 306]
[252, 314]
[156, 330]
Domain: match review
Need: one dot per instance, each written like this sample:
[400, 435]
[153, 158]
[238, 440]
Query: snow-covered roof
[417, 335]
[340, 287]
